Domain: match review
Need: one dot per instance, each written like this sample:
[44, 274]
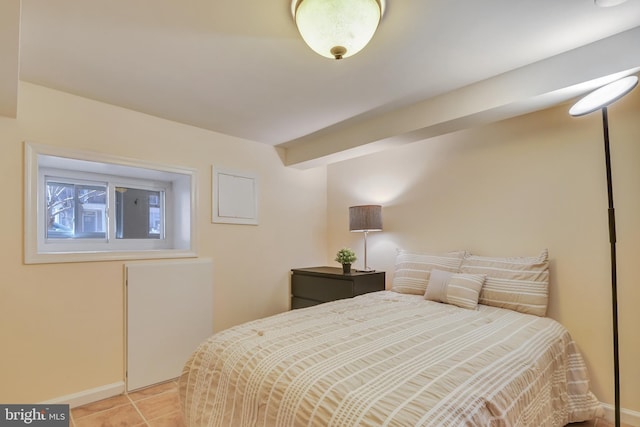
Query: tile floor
[156, 406]
[159, 406]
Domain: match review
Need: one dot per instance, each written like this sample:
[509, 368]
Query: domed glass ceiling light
[337, 28]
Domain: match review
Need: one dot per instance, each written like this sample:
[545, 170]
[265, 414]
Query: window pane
[76, 211]
[139, 214]
[60, 210]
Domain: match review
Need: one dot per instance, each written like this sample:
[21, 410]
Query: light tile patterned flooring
[159, 406]
[156, 406]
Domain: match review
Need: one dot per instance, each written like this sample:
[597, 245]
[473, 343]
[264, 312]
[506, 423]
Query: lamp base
[366, 270]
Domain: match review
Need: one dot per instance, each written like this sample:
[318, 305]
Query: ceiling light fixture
[337, 29]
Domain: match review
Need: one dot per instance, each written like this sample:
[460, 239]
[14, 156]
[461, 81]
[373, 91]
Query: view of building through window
[139, 213]
[76, 211]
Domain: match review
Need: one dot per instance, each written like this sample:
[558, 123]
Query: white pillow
[459, 289]
[412, 269]
[517, 283]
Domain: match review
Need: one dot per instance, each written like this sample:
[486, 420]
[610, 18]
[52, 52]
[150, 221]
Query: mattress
[389, 359]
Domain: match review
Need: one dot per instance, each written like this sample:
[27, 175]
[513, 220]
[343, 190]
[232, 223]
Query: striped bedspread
[388, 359]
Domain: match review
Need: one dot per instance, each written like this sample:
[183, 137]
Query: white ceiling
[239, 67]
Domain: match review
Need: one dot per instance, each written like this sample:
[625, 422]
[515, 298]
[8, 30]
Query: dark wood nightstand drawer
[302, 302]
[321, 288]
[315, 285]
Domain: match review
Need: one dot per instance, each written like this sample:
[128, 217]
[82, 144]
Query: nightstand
[315, 285]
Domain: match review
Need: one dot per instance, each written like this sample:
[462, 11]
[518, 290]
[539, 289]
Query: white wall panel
[169, 312]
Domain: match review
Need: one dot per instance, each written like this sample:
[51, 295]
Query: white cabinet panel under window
[169, 312]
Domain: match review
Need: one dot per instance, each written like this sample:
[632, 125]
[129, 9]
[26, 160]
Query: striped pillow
[412, 269]
[517, 283]
[459, 289]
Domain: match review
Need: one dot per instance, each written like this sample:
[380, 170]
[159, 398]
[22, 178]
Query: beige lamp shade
[337, 28]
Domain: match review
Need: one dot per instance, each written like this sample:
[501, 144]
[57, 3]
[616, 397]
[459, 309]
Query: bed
[391, 358]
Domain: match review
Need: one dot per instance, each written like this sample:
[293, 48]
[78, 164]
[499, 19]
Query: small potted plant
[346, 257]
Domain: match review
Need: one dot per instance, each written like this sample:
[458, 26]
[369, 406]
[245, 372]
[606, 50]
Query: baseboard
[89, 396]
[627, 416]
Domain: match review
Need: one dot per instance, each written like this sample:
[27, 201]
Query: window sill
[63, 257]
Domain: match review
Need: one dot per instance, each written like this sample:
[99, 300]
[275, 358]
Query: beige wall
[513, 188]
[510, 188]
[61, 325]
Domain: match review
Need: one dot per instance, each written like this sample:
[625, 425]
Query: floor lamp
[599, 100]
[365, 219]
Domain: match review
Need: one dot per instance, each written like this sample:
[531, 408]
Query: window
[82, 207]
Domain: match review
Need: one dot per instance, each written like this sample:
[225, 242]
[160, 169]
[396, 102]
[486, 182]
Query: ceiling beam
[520, 91]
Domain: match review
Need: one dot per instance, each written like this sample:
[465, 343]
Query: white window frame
[178, 184]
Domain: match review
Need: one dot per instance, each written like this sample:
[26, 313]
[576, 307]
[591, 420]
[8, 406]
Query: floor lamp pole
[599, 99]
[614, 278]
